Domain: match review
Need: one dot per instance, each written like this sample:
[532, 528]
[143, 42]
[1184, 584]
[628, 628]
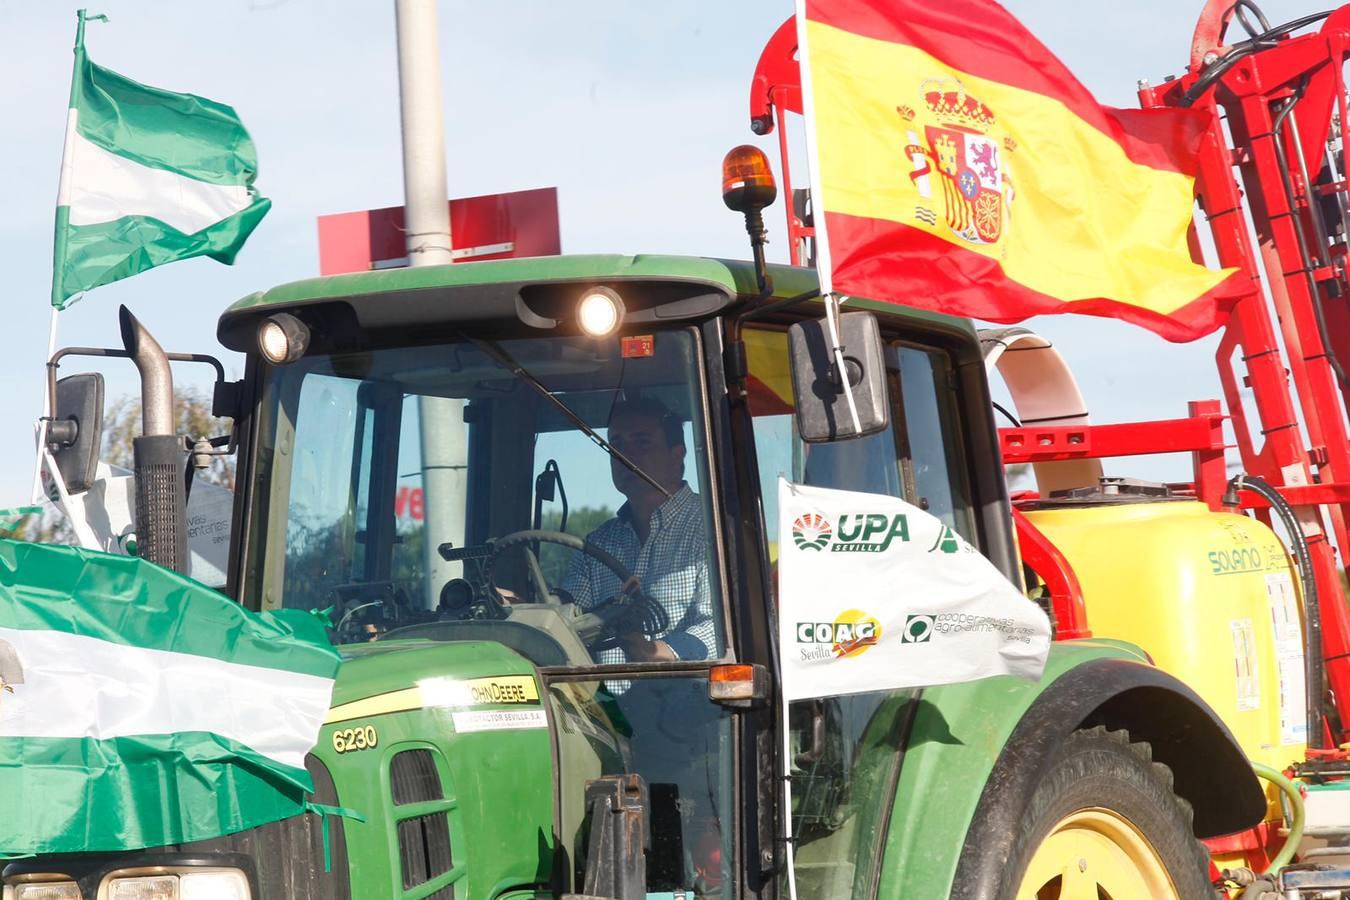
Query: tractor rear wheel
[1104, 824]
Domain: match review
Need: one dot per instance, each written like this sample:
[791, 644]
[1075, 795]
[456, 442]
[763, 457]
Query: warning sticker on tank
[499, 720]
[1288, 633]
[1244, 657]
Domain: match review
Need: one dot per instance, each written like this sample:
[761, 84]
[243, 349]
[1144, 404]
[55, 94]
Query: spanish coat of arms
[959, 164]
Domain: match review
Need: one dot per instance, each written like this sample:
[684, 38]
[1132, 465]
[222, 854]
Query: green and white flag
[139, 708]
[148, 177]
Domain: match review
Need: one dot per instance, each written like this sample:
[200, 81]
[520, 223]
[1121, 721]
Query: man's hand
[639, 649]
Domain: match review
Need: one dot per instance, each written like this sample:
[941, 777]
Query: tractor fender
[975, 752]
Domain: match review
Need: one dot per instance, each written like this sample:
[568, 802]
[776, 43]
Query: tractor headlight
[222, 884]
[600, 311]
[282, 338]
[208, 884]
[153, 887]
[51, 890]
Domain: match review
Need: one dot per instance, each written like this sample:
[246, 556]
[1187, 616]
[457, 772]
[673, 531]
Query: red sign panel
[495, 226]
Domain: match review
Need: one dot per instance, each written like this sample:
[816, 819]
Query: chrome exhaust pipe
[156, 377]
[161, 493]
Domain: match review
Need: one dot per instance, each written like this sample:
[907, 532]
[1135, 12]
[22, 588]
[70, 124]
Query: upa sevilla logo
[959, 163]
[851, 633]
[811, 531]
[852, 533]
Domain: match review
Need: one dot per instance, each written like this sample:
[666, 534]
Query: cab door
[845, 752]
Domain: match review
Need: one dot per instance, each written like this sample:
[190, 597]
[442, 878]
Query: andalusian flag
[148, 177]
[961, 167]
[139, 708]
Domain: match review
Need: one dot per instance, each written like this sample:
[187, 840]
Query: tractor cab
[520, 481]
[501, 453]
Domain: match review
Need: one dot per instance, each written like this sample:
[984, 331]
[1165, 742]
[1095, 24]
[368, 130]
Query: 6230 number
[347, 740]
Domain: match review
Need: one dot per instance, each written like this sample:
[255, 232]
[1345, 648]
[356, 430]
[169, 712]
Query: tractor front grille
[413, 778]
[422, 813]
[424, 848]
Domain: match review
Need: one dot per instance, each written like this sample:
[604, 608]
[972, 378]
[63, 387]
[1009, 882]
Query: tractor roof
[486, 285]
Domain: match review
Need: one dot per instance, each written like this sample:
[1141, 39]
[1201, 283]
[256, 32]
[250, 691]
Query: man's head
[653, 438]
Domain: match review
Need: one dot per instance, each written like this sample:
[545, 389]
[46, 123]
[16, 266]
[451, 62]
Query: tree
[192, 417]
[23, 528]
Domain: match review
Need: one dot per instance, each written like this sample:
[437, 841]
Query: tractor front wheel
[1104, 824]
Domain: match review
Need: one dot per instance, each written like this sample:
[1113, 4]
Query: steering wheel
[350, 599]
[601, 625]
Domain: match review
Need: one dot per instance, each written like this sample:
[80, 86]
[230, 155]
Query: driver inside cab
[660, 536]
[672, 732]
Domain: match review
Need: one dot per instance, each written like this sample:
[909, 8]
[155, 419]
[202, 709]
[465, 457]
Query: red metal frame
[1273, 154]
[775, 91]
[1201, 435]
[1066, 595]
[1256, 843]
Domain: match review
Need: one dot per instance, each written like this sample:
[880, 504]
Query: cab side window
[932, 428]
[919, 457]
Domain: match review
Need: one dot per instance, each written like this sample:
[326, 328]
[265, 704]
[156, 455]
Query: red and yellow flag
[961, 167]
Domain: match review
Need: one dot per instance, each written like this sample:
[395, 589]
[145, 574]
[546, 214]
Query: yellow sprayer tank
[1211, 597]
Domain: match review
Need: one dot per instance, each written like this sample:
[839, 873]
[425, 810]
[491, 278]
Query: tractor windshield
[546, 493]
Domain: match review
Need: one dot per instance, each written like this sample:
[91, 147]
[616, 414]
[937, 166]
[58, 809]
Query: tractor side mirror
[822, 408]
[75, 433]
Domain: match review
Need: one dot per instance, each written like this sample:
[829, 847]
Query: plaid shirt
[672, 566]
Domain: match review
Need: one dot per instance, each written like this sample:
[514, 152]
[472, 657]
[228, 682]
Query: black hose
[1011, 418]
[1214, 73]
[1279, 31]
[1240, 10]
[1242, 49]
[1312, 613]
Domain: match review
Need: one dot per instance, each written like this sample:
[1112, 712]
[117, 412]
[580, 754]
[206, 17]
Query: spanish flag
[960, 167]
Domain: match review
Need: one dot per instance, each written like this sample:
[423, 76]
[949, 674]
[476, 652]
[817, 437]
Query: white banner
[107, 510]
[874, 593]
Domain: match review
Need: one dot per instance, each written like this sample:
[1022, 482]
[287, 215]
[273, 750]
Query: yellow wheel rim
[1096, 854]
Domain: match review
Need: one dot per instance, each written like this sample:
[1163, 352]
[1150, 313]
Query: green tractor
[539, 497]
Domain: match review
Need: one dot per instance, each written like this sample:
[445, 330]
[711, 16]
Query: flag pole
[47, 412]
[58, 260]
[59, 247]
[824, 272]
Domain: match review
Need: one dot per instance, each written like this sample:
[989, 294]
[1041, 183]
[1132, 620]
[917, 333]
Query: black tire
[1099, 768]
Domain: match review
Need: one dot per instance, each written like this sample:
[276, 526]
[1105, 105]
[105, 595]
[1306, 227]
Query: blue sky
[627, 107]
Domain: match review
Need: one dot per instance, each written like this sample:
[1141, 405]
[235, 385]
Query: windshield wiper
[494, 350]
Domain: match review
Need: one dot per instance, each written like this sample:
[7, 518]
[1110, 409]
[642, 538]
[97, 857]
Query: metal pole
[427, 220]
[419, 79]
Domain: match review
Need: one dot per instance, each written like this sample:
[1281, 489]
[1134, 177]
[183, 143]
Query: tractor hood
[445, 748]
